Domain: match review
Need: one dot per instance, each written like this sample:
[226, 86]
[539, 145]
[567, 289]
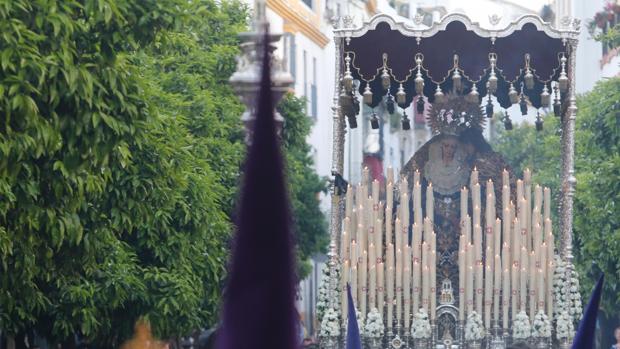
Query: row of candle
[514, 258]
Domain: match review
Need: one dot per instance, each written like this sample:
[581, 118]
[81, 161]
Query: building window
[313, 92]
[292, 61]
[305, 76]
[308, 3]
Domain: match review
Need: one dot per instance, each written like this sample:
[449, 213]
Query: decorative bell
[473, 96]
[367, 94]
[419, 83]
[420, 105]
[385, 79]
[356, 104]
[389, 104]
[539, 122]
[529, 79]
[545, 97]
[507, 122]
[523, 105]
[492, 83]
[347, 81]
[563, 80]
[439, 96]
[374, 121]
[352, 119]
[401, 96]
[557, 104]
[456, 80]
[344, 98]
[489, 108]
[405, 121]
[513, 94]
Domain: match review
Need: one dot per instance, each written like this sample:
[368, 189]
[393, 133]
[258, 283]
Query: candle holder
[475, 345]
[460, 334]
[565, 343]
[433, 334]
[497, 339]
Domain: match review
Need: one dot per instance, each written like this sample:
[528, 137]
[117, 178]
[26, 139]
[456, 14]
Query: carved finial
[347, 21]
[576, 24]
[418, 18]
[494, 19]
[565, 21]
[335, 20]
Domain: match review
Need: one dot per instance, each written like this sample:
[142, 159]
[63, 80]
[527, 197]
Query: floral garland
[542, 325]
[602, 17]
[330, 325]
[374, 324]
[566, 296]
[420, 326]
[564, 326]
[521, 328]
[323, 299]
[474, 329]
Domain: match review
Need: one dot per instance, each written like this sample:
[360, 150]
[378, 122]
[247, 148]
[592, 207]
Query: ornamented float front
[454, 251]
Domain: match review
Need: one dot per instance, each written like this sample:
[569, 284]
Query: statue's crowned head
[454, 115]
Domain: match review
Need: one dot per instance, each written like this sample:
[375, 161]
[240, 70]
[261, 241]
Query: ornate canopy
[528, 55]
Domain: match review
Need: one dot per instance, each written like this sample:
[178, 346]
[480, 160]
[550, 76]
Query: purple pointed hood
[259, 302]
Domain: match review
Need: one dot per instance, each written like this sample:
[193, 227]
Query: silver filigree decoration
[347, 21]
[335, 21]
[565, 22]
[418, 19]
[576, 24]
[494, 19]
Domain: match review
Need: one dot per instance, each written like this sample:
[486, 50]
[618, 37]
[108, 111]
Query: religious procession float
[456, 250]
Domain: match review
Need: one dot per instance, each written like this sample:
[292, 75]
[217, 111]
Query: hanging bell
[420, 105]
[352, 119]
[523, 105]
[439, 96]
[492, 83]
[545, 97]
[507, 122]
[513, 94]
[356, 104]
[347, 81]
[389, 104]
[557, 108]
[401, 95]
[473, 96]
[419, 83]
[529, 79]
[489, 108]
[539, 122]
[367, 94]
[405, 122]
[557, 104]
[385, 79]
[374, 121]
[563, 82]
[344, 98]
[457, 84]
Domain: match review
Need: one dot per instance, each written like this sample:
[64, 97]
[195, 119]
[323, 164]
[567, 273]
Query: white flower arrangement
[360, 322]
[521, 328]
[421, 326]
[330, 324]
[542, 325]
[566, 296]
[564, 326]
[374, 324]
[323, 299]
[474, 329]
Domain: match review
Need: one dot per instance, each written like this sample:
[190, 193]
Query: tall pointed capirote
[584, 338]
[353, 332]
[259, 300]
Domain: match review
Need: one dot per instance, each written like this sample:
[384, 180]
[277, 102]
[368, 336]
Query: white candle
[343, 287]
[416, 286]
[433, 282]
[497, 286]
[416, 248]
[372, 273]
[354, 283]
[527, 180]
[505, 297]
[349, 201]
[547, 203]
[532, 272]
[497, 236]
[390, 296]
[345, 242]
[488, 294]
[430, 203]
[474, 177]
[407, 285]
[475, 194]
[417, 203]
[364, 282]
[462, 298]
[464, 197]
[523, 279]
[399, 285]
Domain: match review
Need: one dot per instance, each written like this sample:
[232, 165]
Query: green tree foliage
[597, 196]
[305, 185]
[111, 208]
